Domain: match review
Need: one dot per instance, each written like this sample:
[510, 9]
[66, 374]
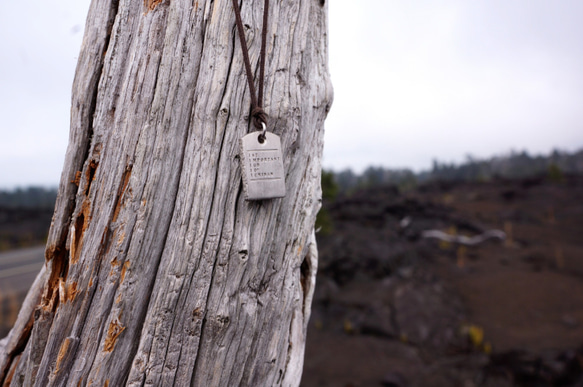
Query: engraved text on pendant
[262, 166]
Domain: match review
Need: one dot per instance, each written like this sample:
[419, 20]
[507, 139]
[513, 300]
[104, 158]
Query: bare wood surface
[159, 272]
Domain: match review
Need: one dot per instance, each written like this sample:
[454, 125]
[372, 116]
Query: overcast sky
[414, 81]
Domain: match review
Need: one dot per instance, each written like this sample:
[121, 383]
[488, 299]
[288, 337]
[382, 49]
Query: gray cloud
[447, 78]
[38, 52]
[413, 81]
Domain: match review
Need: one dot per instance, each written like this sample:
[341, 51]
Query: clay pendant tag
[262, 166]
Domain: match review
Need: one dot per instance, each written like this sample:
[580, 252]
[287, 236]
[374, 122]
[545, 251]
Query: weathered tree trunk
[158, 271]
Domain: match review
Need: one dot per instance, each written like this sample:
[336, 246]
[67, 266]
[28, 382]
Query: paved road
[18, 269]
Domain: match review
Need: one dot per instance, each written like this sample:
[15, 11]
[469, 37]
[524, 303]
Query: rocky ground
[393, 308]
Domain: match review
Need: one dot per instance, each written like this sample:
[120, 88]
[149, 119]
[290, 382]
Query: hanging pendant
[262, 166]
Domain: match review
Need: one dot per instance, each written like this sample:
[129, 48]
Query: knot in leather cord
[259, 116]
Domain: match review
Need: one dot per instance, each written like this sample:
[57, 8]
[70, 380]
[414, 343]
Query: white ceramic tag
[262, 166]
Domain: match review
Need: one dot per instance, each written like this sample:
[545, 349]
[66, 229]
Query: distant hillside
[30, 198]
[513, 166]
[25, 216]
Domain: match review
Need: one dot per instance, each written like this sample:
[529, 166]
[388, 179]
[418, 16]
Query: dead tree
[158, 271]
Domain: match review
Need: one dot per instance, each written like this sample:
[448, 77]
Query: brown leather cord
[259, 116]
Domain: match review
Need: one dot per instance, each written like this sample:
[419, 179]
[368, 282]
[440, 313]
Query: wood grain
[159, 272]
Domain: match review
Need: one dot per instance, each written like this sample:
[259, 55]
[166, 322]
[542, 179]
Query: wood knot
[115, 329]
[223, 320]
[152, 4]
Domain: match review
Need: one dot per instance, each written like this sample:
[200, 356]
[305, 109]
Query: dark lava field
[394, 308]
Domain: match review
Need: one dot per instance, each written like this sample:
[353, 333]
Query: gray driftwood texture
[158, 271]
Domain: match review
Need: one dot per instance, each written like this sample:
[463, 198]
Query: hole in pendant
[261, 138]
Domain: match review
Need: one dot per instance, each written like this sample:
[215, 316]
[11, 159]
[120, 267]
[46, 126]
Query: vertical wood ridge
[162, 273]
[78, 150]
